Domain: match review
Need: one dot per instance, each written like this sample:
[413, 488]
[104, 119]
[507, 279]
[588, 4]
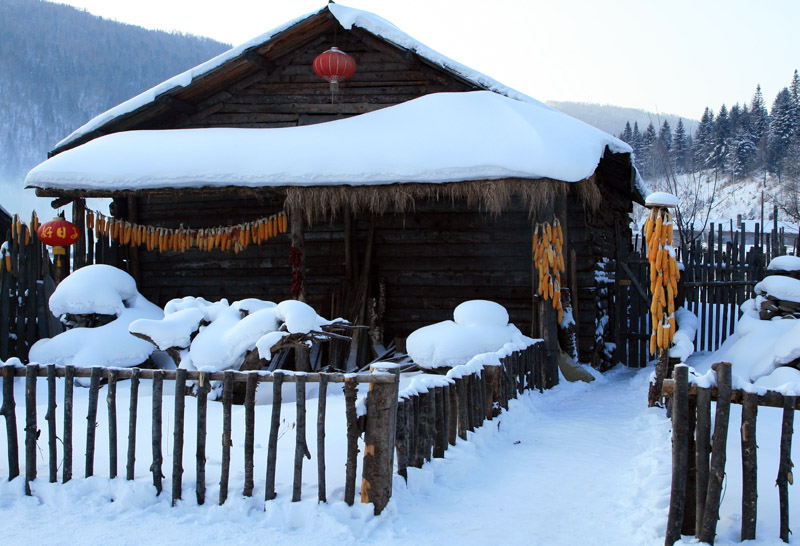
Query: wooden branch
[9, 412]
[50, 417]
[132, 418]
[177, 447]
[227, 399]
[272, 448]
[31, 432]
[69, 380]
[785, 467]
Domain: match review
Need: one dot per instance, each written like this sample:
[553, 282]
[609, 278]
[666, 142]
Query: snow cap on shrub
[100, 289]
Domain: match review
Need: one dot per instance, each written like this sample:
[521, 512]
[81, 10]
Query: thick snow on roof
[347, 17]
[443, 137]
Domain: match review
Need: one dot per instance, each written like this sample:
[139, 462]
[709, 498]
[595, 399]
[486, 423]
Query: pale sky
[666, 56]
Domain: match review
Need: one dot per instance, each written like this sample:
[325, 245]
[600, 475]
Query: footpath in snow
[581, 464]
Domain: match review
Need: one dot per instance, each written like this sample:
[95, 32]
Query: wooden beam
[259, 62]
[177, 104]
[60, 202]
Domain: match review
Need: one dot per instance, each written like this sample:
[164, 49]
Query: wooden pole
[50, 417]
[378, 467]
[203, 387]
[463, 417]
[158, 389]
[350, 393]
[177, 441]
[708, 530]
[275, 424]
[703, 452]
[31, 431]
[452, 427]
[69, 385]
[249, 432]
[91, 421]
[785, 466]
[9, 412]
[321, 407]
[111, 403]
[401, 439]
[749, 466]
[227, 400]
[132, 411]
[299, 257]
[440, 438]
[680, 454]
[301, 447]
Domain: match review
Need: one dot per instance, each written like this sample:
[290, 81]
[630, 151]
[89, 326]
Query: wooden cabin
[390, 248]
[5, 222]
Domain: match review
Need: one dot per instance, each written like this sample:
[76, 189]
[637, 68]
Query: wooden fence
[415, 426]
[28, 279]
[698, 462]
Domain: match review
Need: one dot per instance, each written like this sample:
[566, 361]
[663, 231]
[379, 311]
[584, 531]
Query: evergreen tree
[781, 132]
[650, 157]
[703, 139]
[627, 133]
[758, 115]
[680, 148]
[722, 134]
[636, 143]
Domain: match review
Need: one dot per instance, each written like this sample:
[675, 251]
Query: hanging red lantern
[58, 233]
[334, 66]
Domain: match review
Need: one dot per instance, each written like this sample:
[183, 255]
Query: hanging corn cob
[236, 238]
[664, 275]
[548, 257]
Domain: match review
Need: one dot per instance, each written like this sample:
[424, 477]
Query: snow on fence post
[718, 453]
[378, 466]
[8, 411]
[680, 453]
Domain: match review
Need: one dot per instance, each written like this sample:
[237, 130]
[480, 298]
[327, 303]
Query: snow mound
[784, 263]
[94, 289]
[107, 345]
[478, 312]
[451, 343]
[661, 198]
[217, 336]
[782, 288]
[683, 341]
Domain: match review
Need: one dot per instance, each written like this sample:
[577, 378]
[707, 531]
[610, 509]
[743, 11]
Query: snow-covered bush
[479, 327]
[97, 290]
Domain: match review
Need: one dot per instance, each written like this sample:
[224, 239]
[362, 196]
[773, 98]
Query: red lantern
[334, 66]
[58, 233]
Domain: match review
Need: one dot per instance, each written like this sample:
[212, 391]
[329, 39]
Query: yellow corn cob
[652, 344]
[560, 315]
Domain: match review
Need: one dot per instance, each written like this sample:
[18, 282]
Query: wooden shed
[418, 187]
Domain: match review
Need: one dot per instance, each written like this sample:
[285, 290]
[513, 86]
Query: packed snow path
[582, 464]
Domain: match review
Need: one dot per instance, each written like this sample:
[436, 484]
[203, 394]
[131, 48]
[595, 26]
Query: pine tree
[780, 132]
[703, 139]
[627, 134]
[636, 143]
[758, 115]
[722, 134]
[680, 148]
[649, 150]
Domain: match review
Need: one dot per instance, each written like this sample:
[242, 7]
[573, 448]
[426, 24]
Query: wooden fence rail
[414, 426]
[699, 459]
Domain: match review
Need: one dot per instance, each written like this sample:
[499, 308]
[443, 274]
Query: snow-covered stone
[784, 263]
[661, 199]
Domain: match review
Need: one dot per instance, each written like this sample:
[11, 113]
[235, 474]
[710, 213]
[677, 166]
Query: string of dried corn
[664, 275]
[548, 257]
[181, 239]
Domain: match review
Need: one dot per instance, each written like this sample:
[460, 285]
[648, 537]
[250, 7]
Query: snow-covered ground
[580, 464]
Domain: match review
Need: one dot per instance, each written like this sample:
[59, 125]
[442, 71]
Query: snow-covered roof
[348, 18]
[443, 137]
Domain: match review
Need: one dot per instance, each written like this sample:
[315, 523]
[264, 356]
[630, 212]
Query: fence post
[680, 453]
[376, 482]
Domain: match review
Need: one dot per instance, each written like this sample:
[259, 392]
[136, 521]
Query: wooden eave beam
[259, 62]
[177, 104]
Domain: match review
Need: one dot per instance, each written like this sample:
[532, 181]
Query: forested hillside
[612, 119]
[60, 66]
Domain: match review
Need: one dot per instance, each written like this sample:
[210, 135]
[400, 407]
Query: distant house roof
[347, 17]
[443, 137]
